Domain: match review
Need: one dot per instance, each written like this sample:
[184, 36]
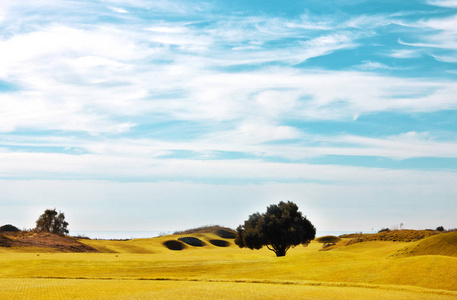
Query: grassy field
[137, 289]
[144, 268]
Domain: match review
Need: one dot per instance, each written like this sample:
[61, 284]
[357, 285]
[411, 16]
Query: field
[145, 269]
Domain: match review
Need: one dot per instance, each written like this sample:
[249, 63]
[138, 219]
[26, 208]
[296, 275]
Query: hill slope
[441, 244]
[210, 237]
[40, 242]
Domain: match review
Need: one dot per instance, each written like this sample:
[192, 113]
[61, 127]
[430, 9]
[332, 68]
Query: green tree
[328, 240]
[53, 222]
[281, 227]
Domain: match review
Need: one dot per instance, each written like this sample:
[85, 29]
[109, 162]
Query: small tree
[328, 240]
[280, 228]
[53, 222]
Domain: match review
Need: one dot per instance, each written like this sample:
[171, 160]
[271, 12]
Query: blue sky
[164, 115]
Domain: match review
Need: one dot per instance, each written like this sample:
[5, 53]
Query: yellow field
[138, 289]
[144, 269]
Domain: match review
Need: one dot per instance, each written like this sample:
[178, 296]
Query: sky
[167, 115]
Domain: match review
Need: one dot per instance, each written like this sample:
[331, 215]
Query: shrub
[329, 239]
[9, 228]
[53, 222]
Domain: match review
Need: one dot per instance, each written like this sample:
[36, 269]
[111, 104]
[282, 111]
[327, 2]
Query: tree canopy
[53, 222]
[9, 228]
[281, 227]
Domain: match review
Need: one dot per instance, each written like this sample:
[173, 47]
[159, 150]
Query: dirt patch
[43, 240]
[5, 242]
[219, 243]
[174, 245]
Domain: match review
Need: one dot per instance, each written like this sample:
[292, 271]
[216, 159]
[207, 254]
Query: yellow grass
[442, 244]
[144, 268]
[143, 289]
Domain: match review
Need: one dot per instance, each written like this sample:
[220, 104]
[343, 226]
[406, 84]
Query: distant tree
[53, 222]
[9, 228]
[328, 239]
[281, 227]
[440, 228]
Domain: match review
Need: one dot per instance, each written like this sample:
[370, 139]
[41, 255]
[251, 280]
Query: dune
[441, 244]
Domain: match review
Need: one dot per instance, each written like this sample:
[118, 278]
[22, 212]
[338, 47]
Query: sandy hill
[405, 235]
[441, 244]
[223, 232]
[208, 237]
[41, 242]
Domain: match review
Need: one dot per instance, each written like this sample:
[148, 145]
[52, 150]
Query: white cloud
[176, 7]
[446, 58]
[443, 3]
[405, 53]
[118, 10]
[253, 140]
[372, 65]
[109, 78]
[443, 36]
[368, 21]
[312, 95]
[100, 74]
[247, 134]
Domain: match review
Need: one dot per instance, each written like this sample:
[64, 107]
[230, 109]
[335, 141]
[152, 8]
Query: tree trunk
[280, 252]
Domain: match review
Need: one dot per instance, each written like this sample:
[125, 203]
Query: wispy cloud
[405, 53]
[443, 3]
[439, 39]
[373, 65]
[118, 10]
[62, 166]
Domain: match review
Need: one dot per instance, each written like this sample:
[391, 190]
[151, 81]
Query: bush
[440, 228]
[329, 239]
[9, 228]
[53, 222]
